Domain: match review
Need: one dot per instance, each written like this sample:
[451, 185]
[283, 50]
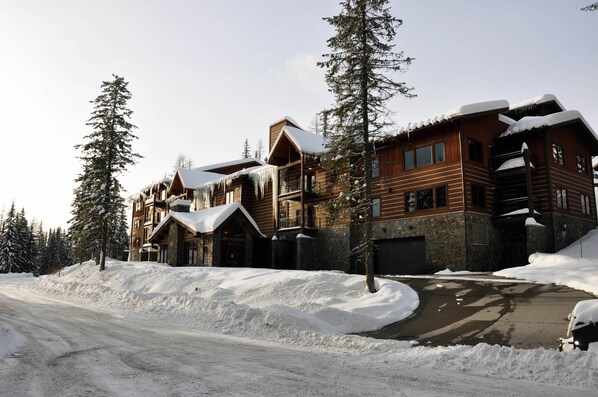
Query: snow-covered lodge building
[478, 188]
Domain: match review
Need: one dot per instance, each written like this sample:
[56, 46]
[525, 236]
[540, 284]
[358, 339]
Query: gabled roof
[205, 221]
[194, 178]
[304, 141]
[537, 101]
[286, 118]
[240, 164]
[532, 122]
[462, 111]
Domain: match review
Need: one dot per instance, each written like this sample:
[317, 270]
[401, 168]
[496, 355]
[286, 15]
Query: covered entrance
[400, 256]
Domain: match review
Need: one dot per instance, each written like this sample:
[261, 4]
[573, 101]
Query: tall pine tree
[358, 70]
[106, 154]
[246, 150]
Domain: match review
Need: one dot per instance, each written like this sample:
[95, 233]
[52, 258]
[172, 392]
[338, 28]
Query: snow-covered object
[306, 142]
[287, 118]
[524, 147]
[536, 101]
[532, 122]
[510, 164]
[259, 175]
[575, 266]
[205, 221]
[533, 222]
[194, 178]
[461, 111]
[522, 211]
[238, 162]
[180, 202]
[584, 313]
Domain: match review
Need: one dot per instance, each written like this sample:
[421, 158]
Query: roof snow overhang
[302, 142]
[206, 221]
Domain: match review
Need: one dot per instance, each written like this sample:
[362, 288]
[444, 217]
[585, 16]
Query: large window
[476, 152]
[424, 155]
[582, 166]
[425, 199]
[557, 154]
[585, 205]
[561, 198]
[478, 196]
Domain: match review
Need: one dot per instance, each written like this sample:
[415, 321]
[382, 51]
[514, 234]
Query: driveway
[474, 309]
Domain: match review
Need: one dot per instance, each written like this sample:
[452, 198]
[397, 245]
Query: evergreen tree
[357, 73]
[246, 150]
[9, 244]
[106, 154]
[41, 241]
[259, 151]
[591, 7]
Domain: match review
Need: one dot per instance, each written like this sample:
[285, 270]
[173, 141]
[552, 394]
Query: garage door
[400, 256]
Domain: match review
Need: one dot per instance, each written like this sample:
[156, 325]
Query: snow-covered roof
[287, 118]
[194, 178]
[228, 164]
[305, 141]
[205, 221]
[179, 202]
[260, 175]
[510, 164]
[522, 211]
[538, 100]
[531, 122]
[461, 111]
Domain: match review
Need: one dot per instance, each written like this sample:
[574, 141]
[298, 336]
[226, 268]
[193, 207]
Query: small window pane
[408, 159]
[439, 152]
[441, 196]
[423, 156]
[409, 202]
[376, 207]
[425, 199]
[375, 167]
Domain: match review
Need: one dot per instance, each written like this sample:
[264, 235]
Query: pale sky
[206, 75]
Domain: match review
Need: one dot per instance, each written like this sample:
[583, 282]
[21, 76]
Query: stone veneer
[444, 237]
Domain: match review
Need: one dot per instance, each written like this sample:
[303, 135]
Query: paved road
[67, 350]
[492, 311]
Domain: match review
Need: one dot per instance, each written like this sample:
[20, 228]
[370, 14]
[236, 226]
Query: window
[205, 251]
[137, 223]
[561, 198]
[409, 202]
[163, 195]
[423, 156]
[164, 254]
[375, 167]
[585, 205]
[310, 182]
[408, 160]
[478, 196]
[230, 197]
[136, 243]
[582, 167]
[441, 196]
[191, 249]
[376, 207]
[557, 154]
[439, 152]
[475, 150]
[425, 199]
[138, 205]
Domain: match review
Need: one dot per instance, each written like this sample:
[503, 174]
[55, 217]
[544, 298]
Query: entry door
[400, 256]
[233, 253]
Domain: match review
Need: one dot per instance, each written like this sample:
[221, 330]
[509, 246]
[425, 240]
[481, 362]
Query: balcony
[295, 223]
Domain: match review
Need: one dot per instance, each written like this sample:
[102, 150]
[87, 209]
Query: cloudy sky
[206, 75]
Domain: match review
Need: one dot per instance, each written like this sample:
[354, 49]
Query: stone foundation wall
[485, 245]
[444, 235]
[566, 229]
[329, 251]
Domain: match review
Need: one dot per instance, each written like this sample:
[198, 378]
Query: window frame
[477, 154]
[478, 196]
[376, 203]
[558, 154]
[414, 194]
[411, 154]
[561, 198]
[375, 167]
[582, 164]
[586, 208]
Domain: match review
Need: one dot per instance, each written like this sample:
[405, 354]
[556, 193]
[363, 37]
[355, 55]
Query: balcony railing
[287, 223]
[294, 186]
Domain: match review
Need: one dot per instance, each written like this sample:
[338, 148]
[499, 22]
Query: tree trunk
[367, 159]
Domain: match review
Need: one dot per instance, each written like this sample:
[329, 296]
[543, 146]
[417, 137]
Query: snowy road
[67, 350]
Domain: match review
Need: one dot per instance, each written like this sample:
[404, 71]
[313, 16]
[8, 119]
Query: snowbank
[567, 267]
[221, 299]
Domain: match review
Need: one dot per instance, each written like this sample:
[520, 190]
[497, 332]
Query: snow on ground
[575, 266]
[318, 310]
